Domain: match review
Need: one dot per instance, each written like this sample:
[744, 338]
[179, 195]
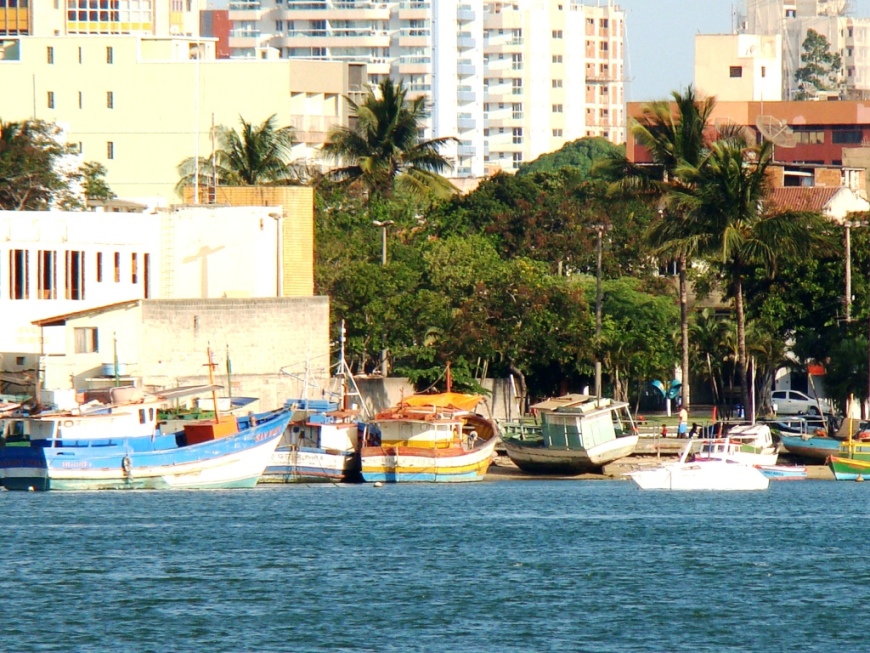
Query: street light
[599, 249]
[383, 225]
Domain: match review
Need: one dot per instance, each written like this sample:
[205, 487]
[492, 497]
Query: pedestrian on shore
[664, 430]
[694, 432]
[683, 426]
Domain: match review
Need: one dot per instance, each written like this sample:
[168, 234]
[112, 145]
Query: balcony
[466, 122]
[466, 69]
[466, 150]
[465, 14]
[466, 94]
[465, 41]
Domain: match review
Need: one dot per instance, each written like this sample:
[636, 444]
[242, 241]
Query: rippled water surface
[505, 566]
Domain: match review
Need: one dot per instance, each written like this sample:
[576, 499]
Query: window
[735, 71]
[134, 268]
[19, 274]
[75, 275]
[518, 159]
[279, 26]
[110, 150]
[46, 280]
[557, 33]
[110, 55]
[557, 83]
[110, 100]
[846, 136]
[86, 340]
[557, 133]
[518, 136]
[146, 274]
[557, 108]
[50, 54]
[764, 71]
[557, 58]
[117, 267]
[517, 61]
[99, 266]
[81, 100]
[80, 55]
[517, 86]
[517, 111]
[51, 99]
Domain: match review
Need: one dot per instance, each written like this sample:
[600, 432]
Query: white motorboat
[707, 474]
[749, 444]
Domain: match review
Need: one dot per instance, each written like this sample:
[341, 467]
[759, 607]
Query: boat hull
[402, 464]
[708, 475]
[815, 447]
[783, 472]
[233, 461]
[536, 459]
[308, 464]
[849, 469]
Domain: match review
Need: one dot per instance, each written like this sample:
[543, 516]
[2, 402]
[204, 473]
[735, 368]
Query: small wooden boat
[578, 434]
[816, 447]
[429, 438]
[849, 469]
[783, 472]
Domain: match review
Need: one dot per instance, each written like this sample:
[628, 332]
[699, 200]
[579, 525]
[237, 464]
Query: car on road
[792, 402]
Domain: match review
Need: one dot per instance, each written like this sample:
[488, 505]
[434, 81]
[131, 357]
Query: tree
[581, 154]
[723, 215]
[257, 155]
[94, 183]
[382, 148]
[821, 68]
[34, 167]
[675, 134]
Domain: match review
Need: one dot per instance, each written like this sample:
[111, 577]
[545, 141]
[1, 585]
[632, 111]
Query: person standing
[683, 427]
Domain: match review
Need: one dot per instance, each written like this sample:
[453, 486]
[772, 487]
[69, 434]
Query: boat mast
[211, 366]
[341, 369]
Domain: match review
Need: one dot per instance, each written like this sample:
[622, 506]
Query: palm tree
[257, 155]
[383, 147]
[723, 213]
[675, 133]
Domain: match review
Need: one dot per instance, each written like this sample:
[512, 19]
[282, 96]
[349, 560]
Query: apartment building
[137, 90]
[739, 67]
[509, 79]
[847, 34]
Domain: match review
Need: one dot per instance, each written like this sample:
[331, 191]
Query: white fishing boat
[709, 474]
[749, 444]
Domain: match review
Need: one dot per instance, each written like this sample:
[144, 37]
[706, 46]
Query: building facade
[509, 79]
[847, 34]
[140, 94]
[739, 67]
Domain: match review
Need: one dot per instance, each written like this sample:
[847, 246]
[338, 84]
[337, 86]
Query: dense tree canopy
[580, 154]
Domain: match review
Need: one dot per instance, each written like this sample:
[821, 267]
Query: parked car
[792, 402]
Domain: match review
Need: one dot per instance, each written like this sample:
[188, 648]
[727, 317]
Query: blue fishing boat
[123, 448]
[818, 447]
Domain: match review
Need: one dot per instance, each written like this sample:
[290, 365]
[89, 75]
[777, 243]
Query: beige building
[509, 79]
[738, 67]
[140, 105]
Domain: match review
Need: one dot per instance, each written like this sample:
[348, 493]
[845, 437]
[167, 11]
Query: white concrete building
[510, 79]
[848, 35]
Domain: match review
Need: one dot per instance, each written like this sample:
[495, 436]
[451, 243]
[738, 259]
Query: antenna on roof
[776, 131]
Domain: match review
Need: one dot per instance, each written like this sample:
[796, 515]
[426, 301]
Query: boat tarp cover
[445, 400]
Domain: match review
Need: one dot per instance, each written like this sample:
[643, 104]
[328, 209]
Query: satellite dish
[776, 131]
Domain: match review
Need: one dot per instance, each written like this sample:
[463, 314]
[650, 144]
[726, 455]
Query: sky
[660, 36]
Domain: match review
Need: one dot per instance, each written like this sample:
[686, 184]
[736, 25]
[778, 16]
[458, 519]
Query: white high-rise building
[509, 79]
[848, 35]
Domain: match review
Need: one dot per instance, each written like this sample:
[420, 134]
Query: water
[595, 566]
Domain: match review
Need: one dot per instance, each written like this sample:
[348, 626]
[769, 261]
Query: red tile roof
[802, 198]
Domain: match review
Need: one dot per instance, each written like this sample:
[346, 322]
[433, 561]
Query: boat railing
[520, 429]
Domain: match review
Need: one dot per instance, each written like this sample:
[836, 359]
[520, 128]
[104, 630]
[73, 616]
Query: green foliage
[34, 174]
[94, 182]
[256, 155]
[821, 69]
[581, 154]
[383, 148]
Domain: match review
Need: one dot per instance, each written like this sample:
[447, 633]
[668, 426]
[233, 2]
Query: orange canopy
[444, 400]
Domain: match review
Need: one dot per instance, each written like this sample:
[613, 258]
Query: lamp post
[599, 251]
[849, 224]
[383, 224]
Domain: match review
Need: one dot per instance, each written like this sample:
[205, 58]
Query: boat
[322, 442]
[429, 438]
[710, 474]
[816, 447]
[124, 448]
[578, 434]
[121, 446]
[783, 472]
[750, 444]
[849, 469]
